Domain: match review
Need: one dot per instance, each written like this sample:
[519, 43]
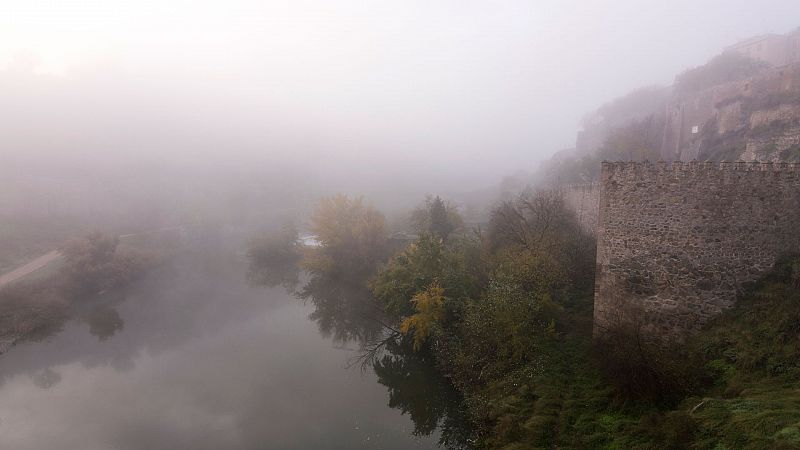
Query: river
[194, 356]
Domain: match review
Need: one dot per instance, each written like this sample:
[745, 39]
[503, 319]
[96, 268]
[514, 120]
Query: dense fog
[146, 103]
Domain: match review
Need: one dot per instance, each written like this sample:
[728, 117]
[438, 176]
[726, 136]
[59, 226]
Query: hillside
[731, 108]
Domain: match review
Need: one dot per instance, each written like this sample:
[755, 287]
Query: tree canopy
[353, 238]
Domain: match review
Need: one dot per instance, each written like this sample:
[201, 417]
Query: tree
[94, 264]
[455, 267]
[436, 217]
[537, 239]
[353, 239]
[427, 320]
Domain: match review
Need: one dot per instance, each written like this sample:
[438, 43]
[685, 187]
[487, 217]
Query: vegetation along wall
[676, 241]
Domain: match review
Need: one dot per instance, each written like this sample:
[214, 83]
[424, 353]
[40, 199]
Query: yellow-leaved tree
[352, 236]
[430, 311]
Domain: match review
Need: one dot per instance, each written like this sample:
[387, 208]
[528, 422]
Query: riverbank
[32, 308]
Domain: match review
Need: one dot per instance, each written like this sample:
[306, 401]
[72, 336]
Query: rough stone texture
[774, 147]
[781, 113]
[584, 200]
[755, 118]
[676, 241]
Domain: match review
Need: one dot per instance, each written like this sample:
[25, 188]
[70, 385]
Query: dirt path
[29, 268]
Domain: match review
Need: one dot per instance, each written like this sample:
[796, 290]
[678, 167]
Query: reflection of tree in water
[416, 387]
[346, 313]
[46, 379]
[349, 314]
[104, 321]
[286, 275]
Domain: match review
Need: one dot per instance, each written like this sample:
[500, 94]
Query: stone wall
[676, 241]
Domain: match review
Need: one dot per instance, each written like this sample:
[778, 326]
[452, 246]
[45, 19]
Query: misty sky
[476, 87]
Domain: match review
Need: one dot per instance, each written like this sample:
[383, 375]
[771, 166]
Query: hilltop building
[776, 49]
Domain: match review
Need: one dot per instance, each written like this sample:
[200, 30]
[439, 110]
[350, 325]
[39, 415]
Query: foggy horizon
[483, 90]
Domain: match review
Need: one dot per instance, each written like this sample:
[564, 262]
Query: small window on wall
[695, 129]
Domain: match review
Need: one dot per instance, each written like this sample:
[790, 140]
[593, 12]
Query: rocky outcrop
[756, 119]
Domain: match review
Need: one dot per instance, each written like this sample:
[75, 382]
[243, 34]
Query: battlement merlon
[647, 167]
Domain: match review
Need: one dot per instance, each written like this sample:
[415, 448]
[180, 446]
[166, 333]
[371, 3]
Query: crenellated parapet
[676, 240]
[649, 168]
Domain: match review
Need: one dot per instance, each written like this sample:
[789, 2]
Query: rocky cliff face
[756, 119]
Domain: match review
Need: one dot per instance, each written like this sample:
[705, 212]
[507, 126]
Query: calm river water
[195, 357]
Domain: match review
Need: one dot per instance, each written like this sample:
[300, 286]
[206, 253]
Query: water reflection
[349, 314]
[194, 357]
[286, 275]
[104, 321]
[46, 379]
[418, 389]
[344, 313]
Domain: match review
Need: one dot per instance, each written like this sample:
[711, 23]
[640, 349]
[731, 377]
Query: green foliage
[456, 267]
[537, 241]
[353, 239]
[508, 318]
[502, 332]
[761, 334]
